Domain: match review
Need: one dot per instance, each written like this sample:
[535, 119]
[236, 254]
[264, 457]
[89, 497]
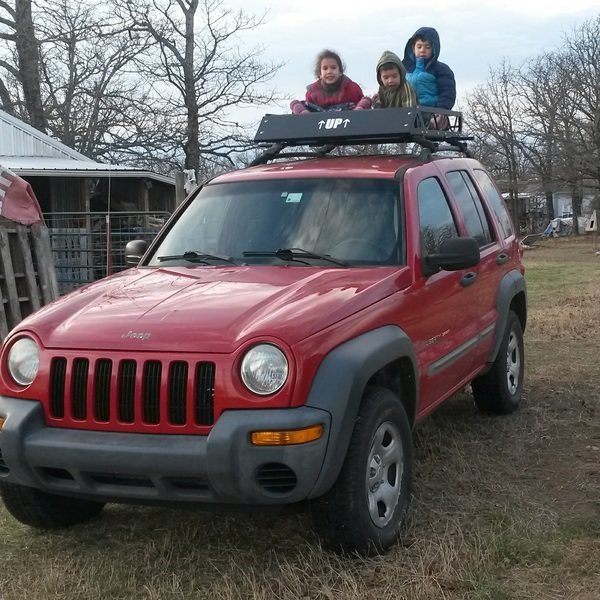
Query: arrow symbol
[321, 123]
[346, 121]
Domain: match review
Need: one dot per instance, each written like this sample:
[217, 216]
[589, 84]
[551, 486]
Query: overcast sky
[475, 34]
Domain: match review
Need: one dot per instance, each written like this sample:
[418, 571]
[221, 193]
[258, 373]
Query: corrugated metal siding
[17, 142]
[20, 139]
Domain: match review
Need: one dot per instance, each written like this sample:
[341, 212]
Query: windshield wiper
[193, 256]
[296, 254]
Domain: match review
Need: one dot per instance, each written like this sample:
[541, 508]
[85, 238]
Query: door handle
[468, 278]
[502, 258]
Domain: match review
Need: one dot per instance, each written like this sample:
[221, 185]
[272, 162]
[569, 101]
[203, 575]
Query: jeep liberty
[278, 340]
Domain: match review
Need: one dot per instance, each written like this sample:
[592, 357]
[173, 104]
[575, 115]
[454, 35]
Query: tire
[366, 507]
[41, 510]
[499, 390]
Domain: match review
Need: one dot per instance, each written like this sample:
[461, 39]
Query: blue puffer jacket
[432, 80]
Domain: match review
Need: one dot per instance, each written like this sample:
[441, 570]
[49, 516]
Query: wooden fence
[27, 274]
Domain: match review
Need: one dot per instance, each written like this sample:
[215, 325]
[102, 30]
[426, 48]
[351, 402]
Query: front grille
[130, 392]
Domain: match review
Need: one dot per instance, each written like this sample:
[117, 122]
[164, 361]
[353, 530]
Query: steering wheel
[358, 244]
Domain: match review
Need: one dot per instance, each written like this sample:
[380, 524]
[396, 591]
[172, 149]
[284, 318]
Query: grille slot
[102, 388]
[178, 393]
[127, 390]
[188, 483]
[151, 393]
[205, 393]
[121, 480]
[58, 370]
[276, 478]
[79, 387]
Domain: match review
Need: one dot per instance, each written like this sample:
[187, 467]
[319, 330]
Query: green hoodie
[404, 95]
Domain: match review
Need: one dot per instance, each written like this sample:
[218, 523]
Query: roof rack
[327, 130]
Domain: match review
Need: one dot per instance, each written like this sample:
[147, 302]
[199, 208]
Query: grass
[503, 508]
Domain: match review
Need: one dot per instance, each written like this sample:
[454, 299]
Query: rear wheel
[499, 390]
[364, 510]
[46, 511]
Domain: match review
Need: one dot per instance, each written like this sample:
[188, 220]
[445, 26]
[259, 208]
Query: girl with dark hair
[332, 90]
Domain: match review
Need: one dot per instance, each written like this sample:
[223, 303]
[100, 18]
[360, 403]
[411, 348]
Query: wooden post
[28, 268]
[14, 308]
[144, 203]
[46, 273]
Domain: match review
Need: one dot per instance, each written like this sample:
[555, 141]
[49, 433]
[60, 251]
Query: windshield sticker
[294, 197]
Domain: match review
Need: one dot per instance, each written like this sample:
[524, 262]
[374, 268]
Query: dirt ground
[503, 508]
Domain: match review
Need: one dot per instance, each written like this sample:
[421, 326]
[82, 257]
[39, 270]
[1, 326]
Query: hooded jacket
[403, 96]
[433, 80]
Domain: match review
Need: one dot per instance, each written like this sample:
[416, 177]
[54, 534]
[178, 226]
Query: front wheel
[366, 507]
[46, 511]
[499, 390]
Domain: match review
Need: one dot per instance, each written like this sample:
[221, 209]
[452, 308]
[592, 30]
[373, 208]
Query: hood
[430, 34]
[208, 309]
[390, 57]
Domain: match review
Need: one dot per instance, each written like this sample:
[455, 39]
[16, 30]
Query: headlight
[264, 369]
[23, 361]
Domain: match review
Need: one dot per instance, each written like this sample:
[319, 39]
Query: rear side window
[435, 218]
[470, 206]
[495, 200]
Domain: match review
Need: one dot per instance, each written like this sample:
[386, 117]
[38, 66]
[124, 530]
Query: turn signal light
[2, 419]
[286, 438]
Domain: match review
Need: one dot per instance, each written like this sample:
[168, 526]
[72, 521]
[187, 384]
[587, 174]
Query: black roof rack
[327, 130]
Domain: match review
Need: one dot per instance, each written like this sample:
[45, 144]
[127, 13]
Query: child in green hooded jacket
[394, 90]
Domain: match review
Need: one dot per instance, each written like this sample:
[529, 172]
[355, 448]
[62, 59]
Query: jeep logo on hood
[137, 335]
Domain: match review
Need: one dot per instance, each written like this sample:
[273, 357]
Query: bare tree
[94, 101]
[537, 83]
[17, 27]
[494, 114]
[199, 73]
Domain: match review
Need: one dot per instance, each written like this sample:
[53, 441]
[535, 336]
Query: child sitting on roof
[432, 80]
[394, 90]
[332, 90]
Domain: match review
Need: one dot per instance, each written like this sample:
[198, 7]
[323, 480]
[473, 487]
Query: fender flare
[512, 283]
[339, 384]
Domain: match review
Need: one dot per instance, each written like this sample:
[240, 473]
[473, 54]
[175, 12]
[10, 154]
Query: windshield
[353, 220]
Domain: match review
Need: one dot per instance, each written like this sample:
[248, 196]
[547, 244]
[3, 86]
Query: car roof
[359, 167]
[345, 166]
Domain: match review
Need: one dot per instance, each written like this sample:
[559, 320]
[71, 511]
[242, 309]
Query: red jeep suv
[279, 339]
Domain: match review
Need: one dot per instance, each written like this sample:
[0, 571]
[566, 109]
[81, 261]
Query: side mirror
[455, 254]
[134, 250]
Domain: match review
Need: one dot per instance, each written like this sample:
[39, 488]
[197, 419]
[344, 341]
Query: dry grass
[504, 508]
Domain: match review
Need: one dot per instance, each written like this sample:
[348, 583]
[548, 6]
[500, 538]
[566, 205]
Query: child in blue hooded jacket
[432, 80]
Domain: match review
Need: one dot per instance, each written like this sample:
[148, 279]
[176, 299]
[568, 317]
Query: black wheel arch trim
[339, 385]
[511, 285]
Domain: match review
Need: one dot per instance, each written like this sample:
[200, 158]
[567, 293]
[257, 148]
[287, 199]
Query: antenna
[108, 233]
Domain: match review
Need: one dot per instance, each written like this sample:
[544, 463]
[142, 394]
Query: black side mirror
[134, 250]
[455, 254]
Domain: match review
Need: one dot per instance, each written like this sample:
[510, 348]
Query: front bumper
[223, 467]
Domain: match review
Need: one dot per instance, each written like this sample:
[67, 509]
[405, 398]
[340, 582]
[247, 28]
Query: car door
[477, 222]
[441, 316]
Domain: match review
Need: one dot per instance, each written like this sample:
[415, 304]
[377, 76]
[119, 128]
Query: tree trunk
[5, 100]
[192, 144]
[576, 206]
[29, 64]
[550, 205]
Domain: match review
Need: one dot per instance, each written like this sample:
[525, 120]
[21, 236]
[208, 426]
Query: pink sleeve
[297, 107]
[364, 104]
